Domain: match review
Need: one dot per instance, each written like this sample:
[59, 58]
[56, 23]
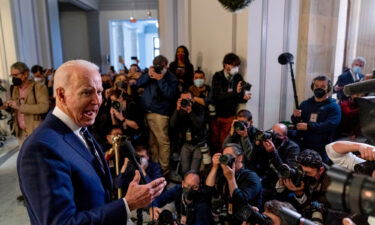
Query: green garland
[234, 5]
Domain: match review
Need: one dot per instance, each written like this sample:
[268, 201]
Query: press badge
[230, 209]
[313, 117]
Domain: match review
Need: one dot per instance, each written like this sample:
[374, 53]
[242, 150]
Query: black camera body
[158, 68]
[246, 86]
[264, 135]
[116, 105]
[227, 159]
[365, 168]
[295, 174]
[239, 125]
[186, 102]
[248, 214]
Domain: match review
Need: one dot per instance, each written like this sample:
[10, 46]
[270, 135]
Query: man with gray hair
[62, 172]
[350, 76]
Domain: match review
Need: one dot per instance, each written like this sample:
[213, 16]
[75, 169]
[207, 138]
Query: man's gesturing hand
[139, 196]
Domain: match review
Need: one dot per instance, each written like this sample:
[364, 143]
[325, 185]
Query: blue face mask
[198, 82]
[357, 69]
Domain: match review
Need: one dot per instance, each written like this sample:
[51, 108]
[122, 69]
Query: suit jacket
[36, 103]
[345, 79]
[61, 181]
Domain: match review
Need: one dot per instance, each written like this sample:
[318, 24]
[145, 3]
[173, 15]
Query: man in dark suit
[61, 168]
[350, 76]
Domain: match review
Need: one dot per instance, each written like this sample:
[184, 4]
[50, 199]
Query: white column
[167, 28]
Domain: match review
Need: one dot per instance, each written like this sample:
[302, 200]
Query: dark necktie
[90, 142]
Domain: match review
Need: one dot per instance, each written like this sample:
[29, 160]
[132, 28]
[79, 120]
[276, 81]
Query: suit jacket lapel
[71, 139]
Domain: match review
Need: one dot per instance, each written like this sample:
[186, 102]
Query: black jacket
[224, 94]
[181, 122]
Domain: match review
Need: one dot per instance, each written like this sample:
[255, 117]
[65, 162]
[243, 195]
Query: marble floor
[12, 212]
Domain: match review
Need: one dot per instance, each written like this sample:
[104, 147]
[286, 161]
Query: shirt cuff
[128, 216]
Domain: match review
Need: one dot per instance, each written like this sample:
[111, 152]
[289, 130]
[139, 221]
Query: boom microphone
[361, 87]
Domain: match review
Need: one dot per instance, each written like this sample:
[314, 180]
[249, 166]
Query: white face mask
[164, 71]
[234, 70]
[199, 82]
[38, 79]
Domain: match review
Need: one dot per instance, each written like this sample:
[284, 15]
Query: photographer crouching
[276, 151]
[188, 121]
[192, 202]
[309, 193]
[235, 185]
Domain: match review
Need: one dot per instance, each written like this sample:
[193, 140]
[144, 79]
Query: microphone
[285, 58]
[361, 87]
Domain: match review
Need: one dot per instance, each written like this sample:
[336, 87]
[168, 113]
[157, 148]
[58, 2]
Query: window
[156, 46]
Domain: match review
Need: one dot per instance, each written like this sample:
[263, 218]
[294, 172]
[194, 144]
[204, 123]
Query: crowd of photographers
[222, 169]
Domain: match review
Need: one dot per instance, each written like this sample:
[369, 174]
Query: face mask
[164, 71]
[356, 69]
[199, 82]
[16, 81]
[319, 92]
[279, 142]
[234, 70]
[38, 79]
[49, 77]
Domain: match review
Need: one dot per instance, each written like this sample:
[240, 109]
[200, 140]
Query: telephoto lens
[351, 192]
[185, 102]
[158, 69]
[205, 151]
[239, 125]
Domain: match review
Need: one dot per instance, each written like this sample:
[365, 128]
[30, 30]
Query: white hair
[359, 58]
[66, 70]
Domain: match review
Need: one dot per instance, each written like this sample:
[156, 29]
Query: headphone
[323, 78]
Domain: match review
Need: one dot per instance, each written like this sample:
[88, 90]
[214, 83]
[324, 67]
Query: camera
[227, 159]
[116, 105]
[158, 68]
[264, 135]
[294, 218]
[365, 168]
[248, 214]
[351, 192]
[190, 194]
[295, 174]
[186, 102]
[205, 151]
[239, 125]
[246, 86]
[121, 84]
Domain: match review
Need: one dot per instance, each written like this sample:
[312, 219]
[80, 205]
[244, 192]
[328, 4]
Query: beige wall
[317, 43]
[258, 34]
[8, 51]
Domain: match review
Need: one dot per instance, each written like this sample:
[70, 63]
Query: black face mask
[279, 142]
[319, 92]
[16, 81]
